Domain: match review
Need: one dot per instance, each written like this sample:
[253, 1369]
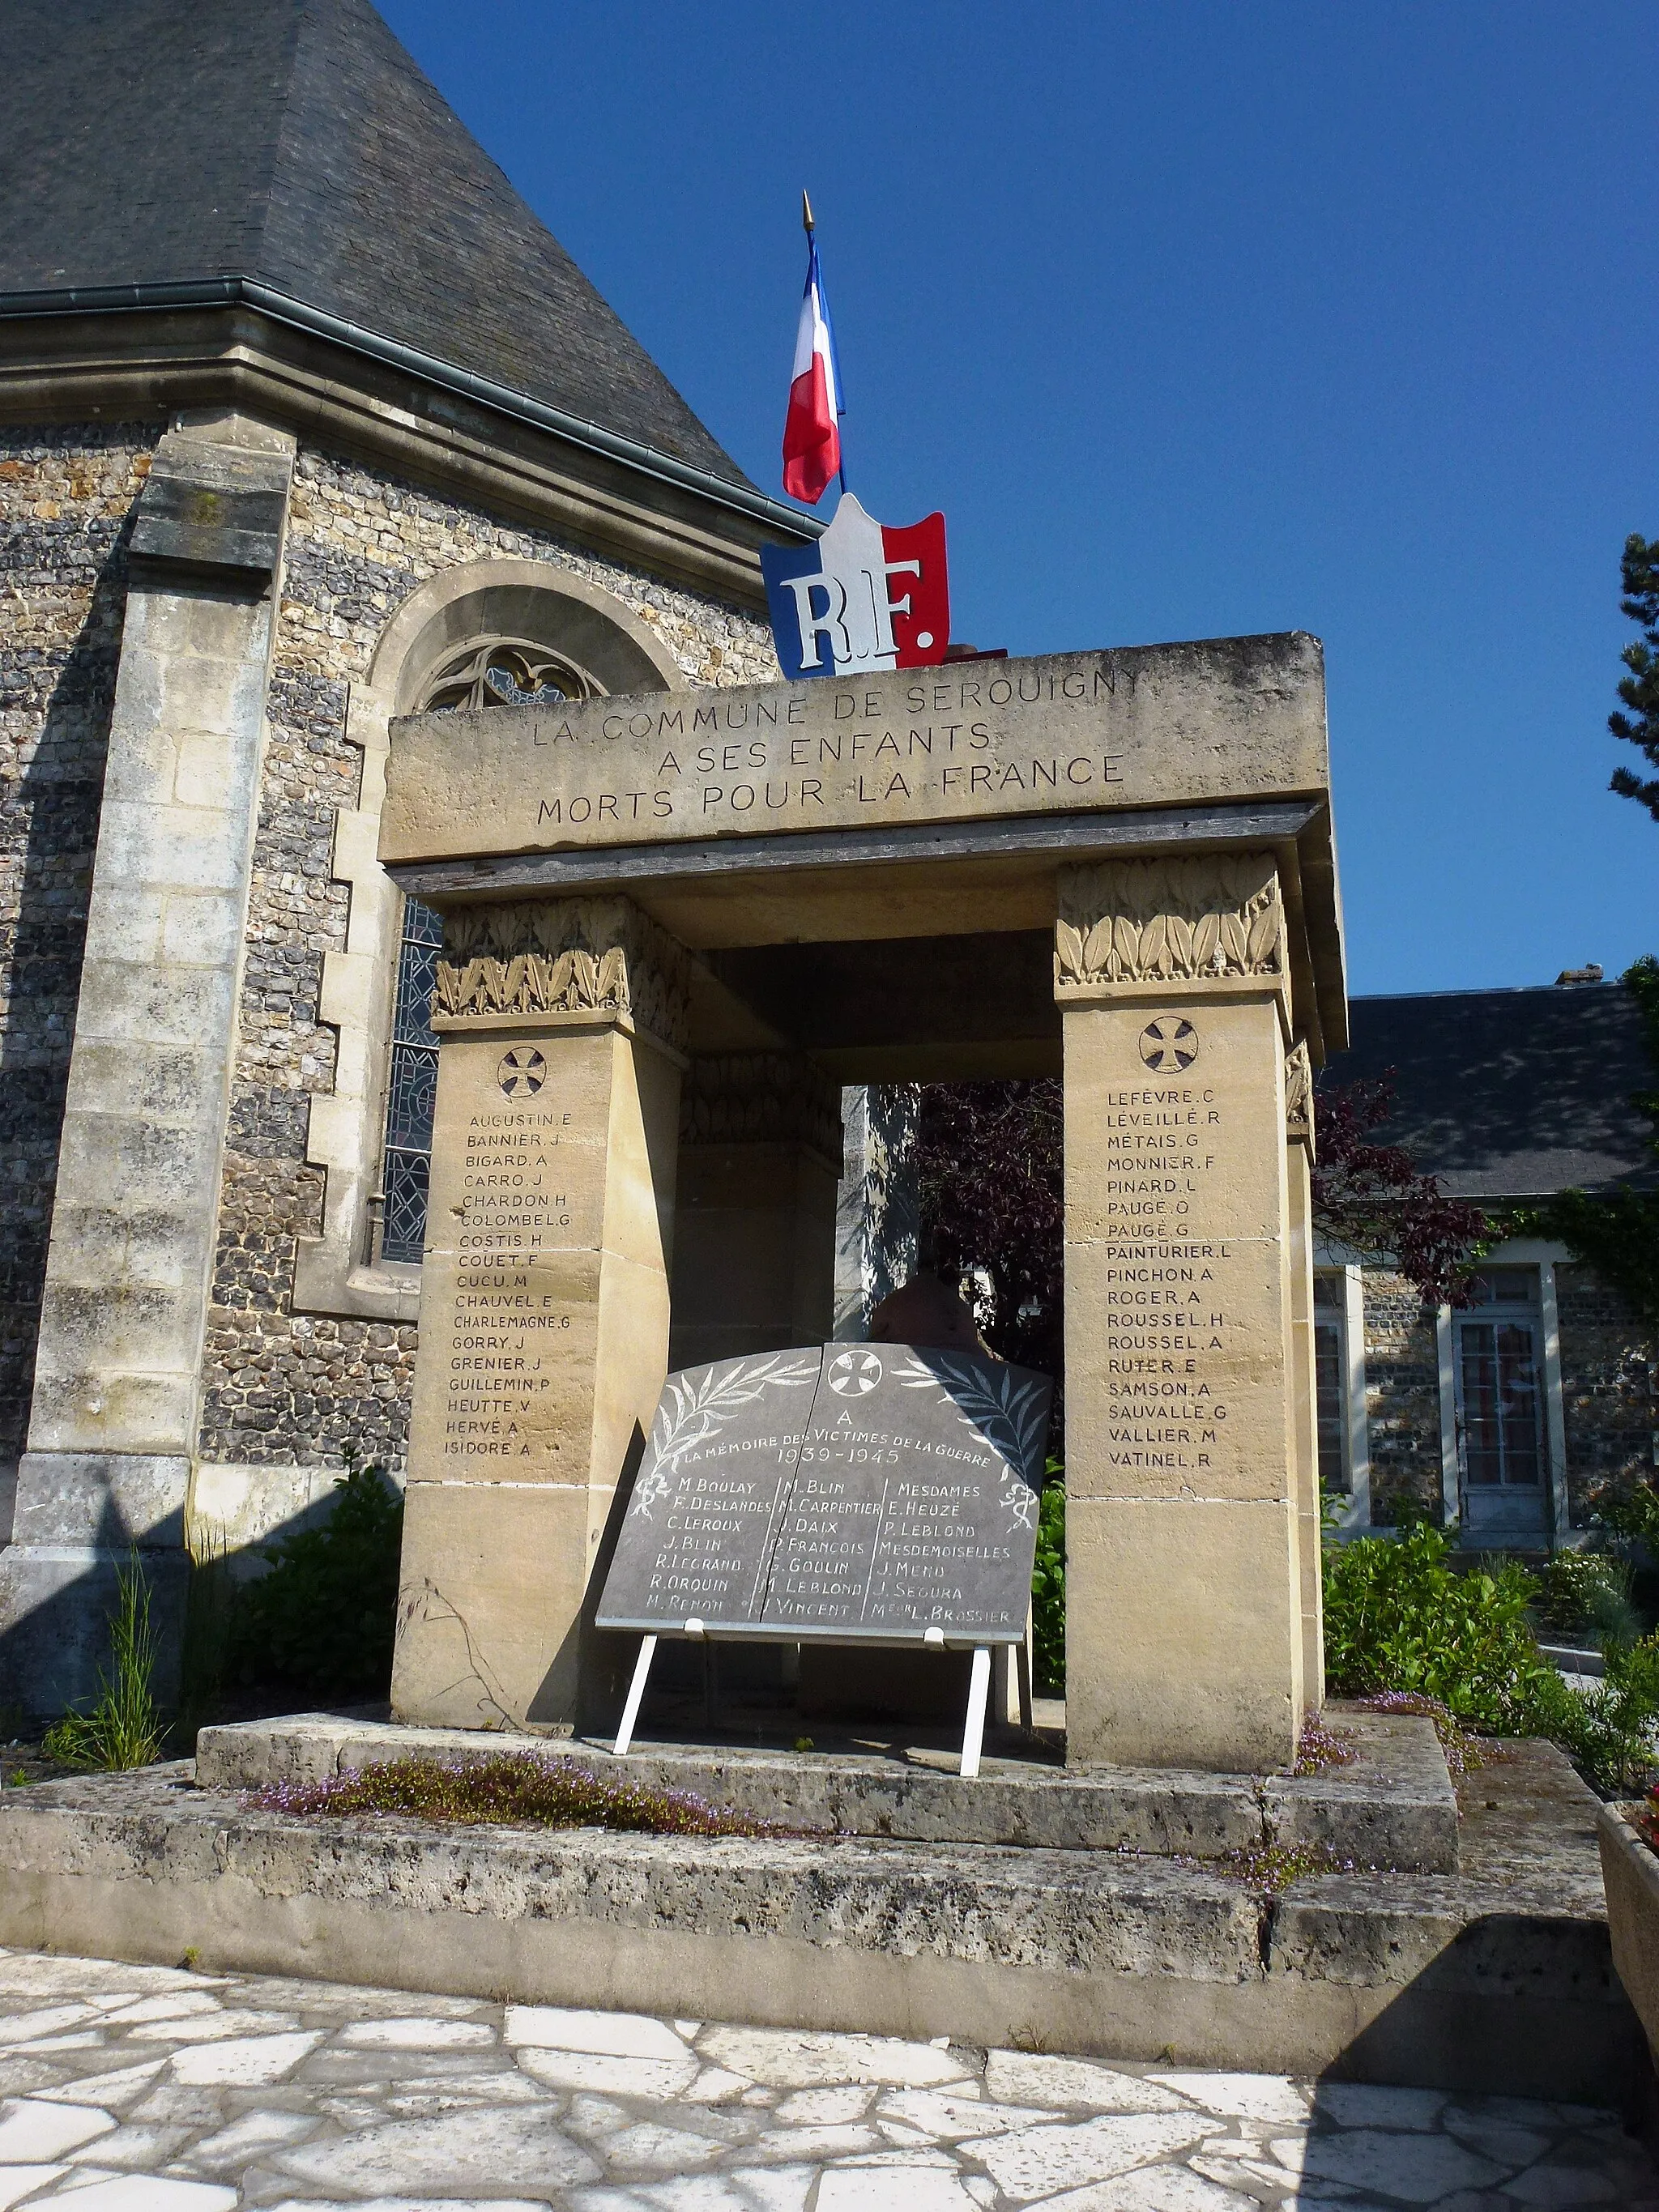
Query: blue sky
[1196, 320]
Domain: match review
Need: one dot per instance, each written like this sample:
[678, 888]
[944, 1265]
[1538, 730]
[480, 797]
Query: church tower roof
[289, 152]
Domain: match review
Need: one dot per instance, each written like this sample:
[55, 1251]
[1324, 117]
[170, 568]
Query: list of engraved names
[1166, 1279]
[510, 1317]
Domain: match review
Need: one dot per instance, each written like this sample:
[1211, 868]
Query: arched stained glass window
[499, 672]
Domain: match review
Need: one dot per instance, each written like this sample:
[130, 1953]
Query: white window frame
[1353, 1515]
[1530, 1252]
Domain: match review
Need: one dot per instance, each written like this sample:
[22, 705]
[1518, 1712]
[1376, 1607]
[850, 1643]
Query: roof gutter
[216, 291]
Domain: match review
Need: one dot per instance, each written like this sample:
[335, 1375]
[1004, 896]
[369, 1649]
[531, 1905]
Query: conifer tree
[1640, 690]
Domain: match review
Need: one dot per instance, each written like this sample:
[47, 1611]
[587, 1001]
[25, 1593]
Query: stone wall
[1607, 1387]
[281, 1387]
[65, 494]
[1402, 1393]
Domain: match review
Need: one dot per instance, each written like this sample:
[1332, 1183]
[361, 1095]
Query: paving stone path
[149, 2089]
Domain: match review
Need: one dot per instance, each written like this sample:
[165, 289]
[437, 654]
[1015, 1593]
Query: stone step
[1499, 1978]
[1394, 1806]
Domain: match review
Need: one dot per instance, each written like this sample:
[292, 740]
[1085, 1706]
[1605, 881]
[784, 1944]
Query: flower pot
[1630, 1875]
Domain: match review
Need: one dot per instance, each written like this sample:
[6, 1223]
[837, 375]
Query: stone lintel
[1146, 727]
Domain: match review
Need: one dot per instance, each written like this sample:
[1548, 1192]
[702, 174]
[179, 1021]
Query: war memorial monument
[706, 909]
[1117, 866]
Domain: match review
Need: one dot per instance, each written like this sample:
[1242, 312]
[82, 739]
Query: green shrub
[1048, 1588]
[124, 1728]
[323, 1619]
[1628, 1511]
[1586, 1593]
[1607, 1732]
[1399, 1616]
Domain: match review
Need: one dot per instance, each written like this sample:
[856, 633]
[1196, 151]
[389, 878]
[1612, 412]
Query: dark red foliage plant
[989, 1159]
[1373, 1199]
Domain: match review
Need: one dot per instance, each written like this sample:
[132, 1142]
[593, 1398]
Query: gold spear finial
[806, 214]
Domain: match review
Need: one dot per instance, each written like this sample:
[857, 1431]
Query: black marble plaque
[842, 1491]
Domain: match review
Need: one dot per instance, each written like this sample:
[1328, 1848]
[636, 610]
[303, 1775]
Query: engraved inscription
[1060, 734]
[837, 1491]
[522, 1072]
[1165, 1281]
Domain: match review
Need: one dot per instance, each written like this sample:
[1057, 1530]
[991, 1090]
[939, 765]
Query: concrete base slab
[1497, 1978]
[1394, 1806]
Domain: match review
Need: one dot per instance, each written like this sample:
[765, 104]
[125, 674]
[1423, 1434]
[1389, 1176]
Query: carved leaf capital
[564, 955]
[1189, 918]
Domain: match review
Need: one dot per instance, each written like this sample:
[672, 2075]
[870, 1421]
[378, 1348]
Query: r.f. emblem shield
[863, 598]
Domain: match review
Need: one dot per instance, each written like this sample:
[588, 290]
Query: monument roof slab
[907, 806]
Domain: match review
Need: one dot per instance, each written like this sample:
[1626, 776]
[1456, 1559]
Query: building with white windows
[1507, 1415]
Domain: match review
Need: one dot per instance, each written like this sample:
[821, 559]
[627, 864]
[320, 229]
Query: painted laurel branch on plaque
[697, 1404]
[1005, 1404]
[838, 1491]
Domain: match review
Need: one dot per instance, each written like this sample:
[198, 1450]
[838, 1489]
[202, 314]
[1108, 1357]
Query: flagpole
[808, 226]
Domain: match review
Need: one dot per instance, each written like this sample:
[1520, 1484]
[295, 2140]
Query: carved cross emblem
[1168, 1044]
[854, 1374]
[522, 1072]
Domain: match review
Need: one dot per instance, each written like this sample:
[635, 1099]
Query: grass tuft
[124, 1728]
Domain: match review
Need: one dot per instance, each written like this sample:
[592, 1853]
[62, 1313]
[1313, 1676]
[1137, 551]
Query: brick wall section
[281, 1387]
[1402, 1391]
[64, 497]
[1607, 1387]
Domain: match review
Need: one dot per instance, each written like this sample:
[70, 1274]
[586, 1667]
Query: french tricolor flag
[812, 429]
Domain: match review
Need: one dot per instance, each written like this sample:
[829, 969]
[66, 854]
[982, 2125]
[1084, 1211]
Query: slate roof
[294, 142]
[1511, 1094]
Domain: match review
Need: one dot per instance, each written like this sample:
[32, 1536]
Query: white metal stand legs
[635, 1692]
[972, 1736]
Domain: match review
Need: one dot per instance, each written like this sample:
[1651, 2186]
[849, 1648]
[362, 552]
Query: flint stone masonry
[1609, 1385]
[1499, 1978]
[1402, 1376]
[1393, 1806]
[282, 1386]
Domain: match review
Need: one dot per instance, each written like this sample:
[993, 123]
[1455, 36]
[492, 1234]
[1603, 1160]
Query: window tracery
[490, 672]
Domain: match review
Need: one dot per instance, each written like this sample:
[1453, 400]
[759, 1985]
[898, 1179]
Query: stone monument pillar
[113, 1428]
[544, 1303]
[1184, 1590]
[755, 1225]
[1304, 1402]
